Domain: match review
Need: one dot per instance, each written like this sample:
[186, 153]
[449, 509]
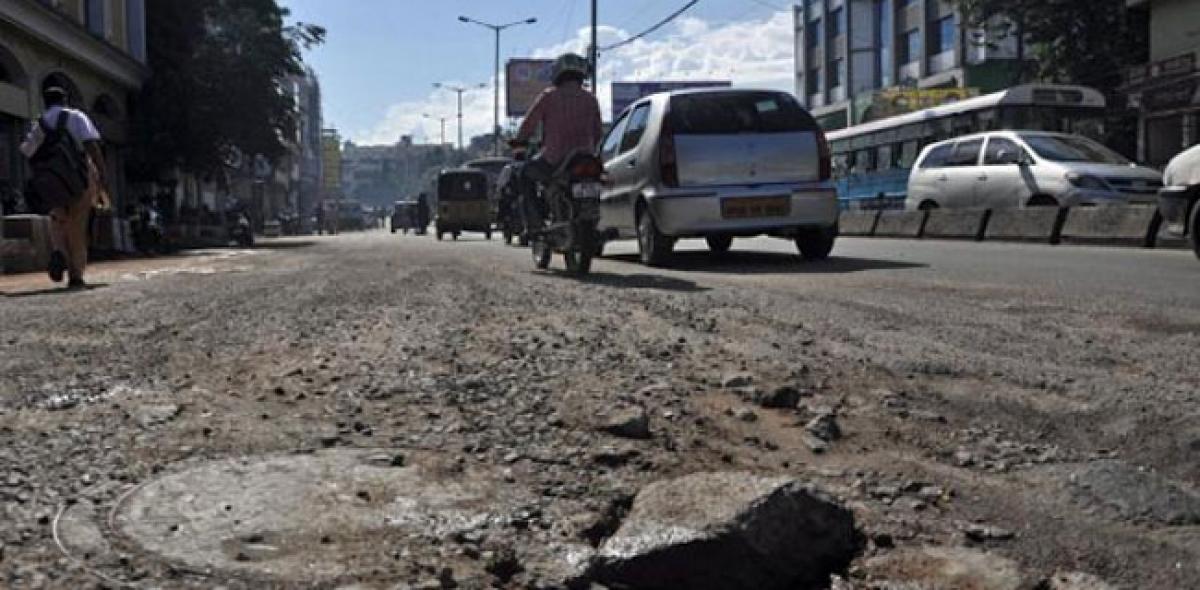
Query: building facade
[331, 165]
[307, 90]
[1166, 91]
[94, 49]
[848, 51]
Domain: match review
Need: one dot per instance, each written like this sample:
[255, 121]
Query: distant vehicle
[1008, 169]
[405, 217]
[272, 228]
[717, 164]
[1178, 200]
[462, 203]
[352, 216]
[872, 161]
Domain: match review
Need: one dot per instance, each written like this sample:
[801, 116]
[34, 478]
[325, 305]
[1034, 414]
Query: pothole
[311, 517]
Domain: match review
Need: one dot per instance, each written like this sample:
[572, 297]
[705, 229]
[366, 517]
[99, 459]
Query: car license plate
[586, 190]
[750, 207]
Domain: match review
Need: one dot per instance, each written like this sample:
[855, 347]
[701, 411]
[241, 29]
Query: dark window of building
[837, 22]
[883, 13]
[945, 33]
[814, 33]
[813, 81]
[910, 46]
[837, 73]
[95, 17]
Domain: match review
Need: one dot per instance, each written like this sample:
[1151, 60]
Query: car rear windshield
[1066, 148]
[727, 113]
[462, 186]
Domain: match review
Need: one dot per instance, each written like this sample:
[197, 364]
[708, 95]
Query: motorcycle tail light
[587, 168]
[826, 157]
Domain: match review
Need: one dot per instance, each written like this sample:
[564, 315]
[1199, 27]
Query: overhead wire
[664, 22]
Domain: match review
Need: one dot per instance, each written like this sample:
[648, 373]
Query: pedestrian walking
[63, 148]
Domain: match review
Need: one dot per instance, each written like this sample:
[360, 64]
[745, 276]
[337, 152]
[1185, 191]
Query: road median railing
[1131, 225]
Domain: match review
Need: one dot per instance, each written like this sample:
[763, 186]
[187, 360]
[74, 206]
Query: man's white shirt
[78, 126]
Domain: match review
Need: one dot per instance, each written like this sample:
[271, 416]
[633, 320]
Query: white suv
[1005, 169]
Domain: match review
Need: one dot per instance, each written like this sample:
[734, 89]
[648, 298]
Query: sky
[381, 57]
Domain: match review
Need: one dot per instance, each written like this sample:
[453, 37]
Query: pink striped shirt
[570, 120]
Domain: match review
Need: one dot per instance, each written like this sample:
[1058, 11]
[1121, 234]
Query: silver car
[1005, 169]
[717, 164]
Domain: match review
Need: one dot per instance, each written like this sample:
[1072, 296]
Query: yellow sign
[898, 101]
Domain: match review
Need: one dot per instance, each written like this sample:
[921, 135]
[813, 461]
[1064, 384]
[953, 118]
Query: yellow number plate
[750, 207]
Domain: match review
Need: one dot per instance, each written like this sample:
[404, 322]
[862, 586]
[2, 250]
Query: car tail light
[668, 165]
[825, 166]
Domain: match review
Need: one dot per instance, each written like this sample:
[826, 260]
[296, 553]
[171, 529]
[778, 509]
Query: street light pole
[458, 90]
[594, 50]
[496, 101]
[443, 121]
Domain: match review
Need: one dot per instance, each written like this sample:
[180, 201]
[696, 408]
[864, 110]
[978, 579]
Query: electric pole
[496, 103]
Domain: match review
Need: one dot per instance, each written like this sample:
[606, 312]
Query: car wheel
[508, 238]
[487, 235]
[440, 234]
[654, 248]
[928, 206]
[1194, 228]
[598, 249]
[719, 244]
[816, 244]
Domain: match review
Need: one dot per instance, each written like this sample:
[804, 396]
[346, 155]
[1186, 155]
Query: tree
[1088, 42]
[215, 88]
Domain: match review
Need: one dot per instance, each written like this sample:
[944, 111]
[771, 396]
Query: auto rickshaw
[462, 203]
[406, 216]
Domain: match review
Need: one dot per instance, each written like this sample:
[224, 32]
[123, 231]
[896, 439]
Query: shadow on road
[284, 244]
[770, 262]
[52, 291]
[642, 281]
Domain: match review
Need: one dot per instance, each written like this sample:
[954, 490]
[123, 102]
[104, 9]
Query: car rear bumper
[699, 212]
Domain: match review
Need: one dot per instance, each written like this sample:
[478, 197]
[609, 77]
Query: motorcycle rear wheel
[541, 252]
[579, 262]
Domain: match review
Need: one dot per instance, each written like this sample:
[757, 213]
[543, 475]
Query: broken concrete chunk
[728, 531]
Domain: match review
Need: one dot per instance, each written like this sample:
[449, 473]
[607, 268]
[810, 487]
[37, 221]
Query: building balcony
[941, 62]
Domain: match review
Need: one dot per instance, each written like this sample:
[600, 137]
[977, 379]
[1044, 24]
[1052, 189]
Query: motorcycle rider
[569, 117]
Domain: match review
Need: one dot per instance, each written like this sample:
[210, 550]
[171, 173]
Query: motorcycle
[240, 231]
[563, 219]
[508, 215]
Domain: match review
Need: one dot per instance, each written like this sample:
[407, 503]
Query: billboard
[525, 79]
[627, 93]
[898, 101]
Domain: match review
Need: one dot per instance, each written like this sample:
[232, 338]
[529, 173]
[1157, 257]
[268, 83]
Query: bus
[871, 161]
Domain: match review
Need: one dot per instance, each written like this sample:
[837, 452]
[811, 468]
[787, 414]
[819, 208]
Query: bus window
[866, 160]
[908, 153]
[885, 158]
[841, 165]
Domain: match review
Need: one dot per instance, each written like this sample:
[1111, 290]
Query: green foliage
[215, 88]
[1088, 42]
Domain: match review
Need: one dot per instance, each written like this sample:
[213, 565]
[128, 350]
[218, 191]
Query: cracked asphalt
[1040, 404]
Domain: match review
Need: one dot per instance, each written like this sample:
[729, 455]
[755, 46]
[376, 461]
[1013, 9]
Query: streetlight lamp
[458, 90]
[443, 121]
[496, 102]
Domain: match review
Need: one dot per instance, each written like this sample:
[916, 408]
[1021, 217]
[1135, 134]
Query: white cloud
[757, 52]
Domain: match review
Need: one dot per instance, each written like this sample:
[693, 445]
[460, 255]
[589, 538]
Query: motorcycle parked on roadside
[563, 219]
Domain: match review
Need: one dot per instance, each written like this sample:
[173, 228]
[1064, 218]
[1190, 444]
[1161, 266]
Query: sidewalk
[104, 273]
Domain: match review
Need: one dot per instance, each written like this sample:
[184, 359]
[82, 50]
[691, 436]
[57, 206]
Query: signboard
[525, 79]
[899, 101]
[627, 93]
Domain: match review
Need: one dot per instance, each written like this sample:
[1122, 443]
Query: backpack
[59, 169]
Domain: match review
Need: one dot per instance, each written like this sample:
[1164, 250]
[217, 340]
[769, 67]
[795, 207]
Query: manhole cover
[311, 516]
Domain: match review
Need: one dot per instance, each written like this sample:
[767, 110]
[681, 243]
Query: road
[1036, 404]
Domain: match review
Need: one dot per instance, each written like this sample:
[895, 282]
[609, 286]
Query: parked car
[717, 164]
[1006, 169]
[1177, 202]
